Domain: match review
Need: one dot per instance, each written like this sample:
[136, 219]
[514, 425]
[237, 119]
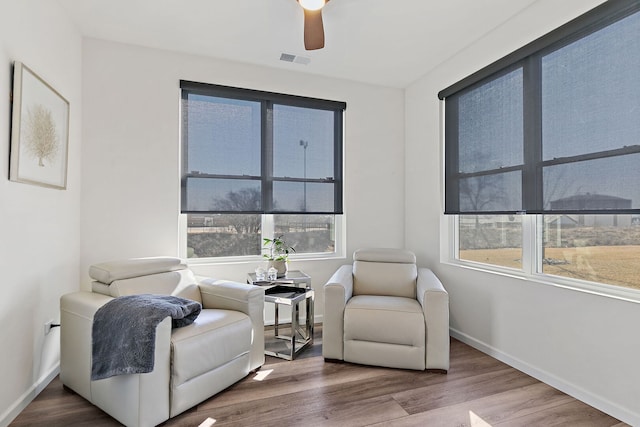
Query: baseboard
[572, 390]
[28, 396]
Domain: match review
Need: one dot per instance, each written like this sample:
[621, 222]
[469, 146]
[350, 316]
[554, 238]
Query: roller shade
[553, 127]
[246, 151]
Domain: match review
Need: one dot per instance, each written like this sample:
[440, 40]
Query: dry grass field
[615, 265]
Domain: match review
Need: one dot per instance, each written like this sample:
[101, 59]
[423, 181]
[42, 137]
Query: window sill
[593, 288]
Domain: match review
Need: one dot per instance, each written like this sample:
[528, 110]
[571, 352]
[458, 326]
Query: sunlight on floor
[262, 374]
[476, 421]
[208, 422]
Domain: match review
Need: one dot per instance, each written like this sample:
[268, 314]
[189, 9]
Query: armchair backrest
[159, 275]
[379, 271]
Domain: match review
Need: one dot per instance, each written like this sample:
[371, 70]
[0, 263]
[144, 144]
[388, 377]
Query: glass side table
[301, 335]
[293, 277]
[297, 289]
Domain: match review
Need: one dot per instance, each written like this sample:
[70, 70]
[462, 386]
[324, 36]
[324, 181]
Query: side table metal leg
[310, 317]
[297, 313]
[294, 328]
[276, 320]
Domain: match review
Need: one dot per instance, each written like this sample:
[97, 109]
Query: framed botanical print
[39, 131]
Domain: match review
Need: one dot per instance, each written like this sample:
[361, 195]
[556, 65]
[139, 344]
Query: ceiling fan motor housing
[313, 26]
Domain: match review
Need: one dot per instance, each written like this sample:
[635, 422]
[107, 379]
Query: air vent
[287, 57]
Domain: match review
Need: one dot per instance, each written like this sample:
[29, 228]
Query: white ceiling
[383, 42]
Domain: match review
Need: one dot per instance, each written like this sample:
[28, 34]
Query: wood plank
[310, 392]
[573, 413]
[303, 410]
[293, 377]
[463, 390]
[534, 405]
[493, 408]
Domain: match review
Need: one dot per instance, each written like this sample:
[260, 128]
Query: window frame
[267, 218]
[532, 227]
[531, 261]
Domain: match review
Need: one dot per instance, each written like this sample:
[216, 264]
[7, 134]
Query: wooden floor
[478, 391]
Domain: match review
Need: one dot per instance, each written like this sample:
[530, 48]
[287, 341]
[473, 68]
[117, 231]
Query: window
[491, 239]
[259, 164]
[236, 235]
[552, 131]
[589, 248]
[596, 248]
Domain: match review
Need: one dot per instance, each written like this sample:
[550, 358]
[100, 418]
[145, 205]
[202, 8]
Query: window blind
[247, 151]
[553, 127]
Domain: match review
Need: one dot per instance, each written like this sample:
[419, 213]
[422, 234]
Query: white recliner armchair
[385, 311]
[192, 363]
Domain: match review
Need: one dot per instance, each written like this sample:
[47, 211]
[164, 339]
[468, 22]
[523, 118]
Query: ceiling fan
[313, 28]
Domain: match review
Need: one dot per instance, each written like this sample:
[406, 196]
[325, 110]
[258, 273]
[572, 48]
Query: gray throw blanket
[124, 332]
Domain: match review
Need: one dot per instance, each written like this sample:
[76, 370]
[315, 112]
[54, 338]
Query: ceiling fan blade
[313, 29]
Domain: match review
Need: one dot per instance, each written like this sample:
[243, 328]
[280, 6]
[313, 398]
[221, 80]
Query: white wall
[584, 344]
[39, 227]
[128, 206]
[130, 199]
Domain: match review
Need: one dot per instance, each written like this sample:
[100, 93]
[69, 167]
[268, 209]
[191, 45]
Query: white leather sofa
[192, 363]
[385, 311]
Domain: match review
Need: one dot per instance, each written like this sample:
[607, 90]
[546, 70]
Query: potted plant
[278, 254]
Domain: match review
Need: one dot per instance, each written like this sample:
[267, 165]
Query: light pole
[304, 145]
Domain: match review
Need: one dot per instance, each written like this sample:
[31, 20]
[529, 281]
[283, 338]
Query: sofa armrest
[337, 291]
[434, 300]
[249, 299]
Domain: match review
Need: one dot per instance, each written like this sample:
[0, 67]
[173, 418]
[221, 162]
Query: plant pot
[281, 266]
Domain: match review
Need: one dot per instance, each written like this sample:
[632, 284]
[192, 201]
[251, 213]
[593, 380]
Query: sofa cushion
[108, 272]
[382, 278]
[384, 255]
[383, 319]
[214, 339]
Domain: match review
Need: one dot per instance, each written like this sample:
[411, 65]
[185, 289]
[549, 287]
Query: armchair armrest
[434, 300]
[248, 299]
[337, 291]
[76, 320]
[132, 399]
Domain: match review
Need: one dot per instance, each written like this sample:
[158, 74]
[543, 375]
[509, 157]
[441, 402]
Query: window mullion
[267, 156]
[532, 178]
[454, 236]
[338, 132]
[268, 227]
[532, 193]
[529, 244]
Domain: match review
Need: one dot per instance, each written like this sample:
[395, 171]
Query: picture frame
[39, 131]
